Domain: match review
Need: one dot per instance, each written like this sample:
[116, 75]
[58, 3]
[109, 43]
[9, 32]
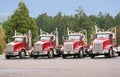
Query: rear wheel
[63, 56]
[7, 57]
[35, 57]
[22, 54]
[119, 54]
[50, 54]
[59, 54]
[74, 56]
[92, 56]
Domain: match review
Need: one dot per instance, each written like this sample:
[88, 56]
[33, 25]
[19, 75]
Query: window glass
[75, 37]
[18, 39]
[45, 38]
[102, 35]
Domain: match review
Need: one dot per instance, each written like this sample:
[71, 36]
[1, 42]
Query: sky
[66, 7]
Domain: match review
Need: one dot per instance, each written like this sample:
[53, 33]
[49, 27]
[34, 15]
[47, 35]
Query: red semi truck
[47, 45]
[75, 44]
[20, 46]
[104, 43]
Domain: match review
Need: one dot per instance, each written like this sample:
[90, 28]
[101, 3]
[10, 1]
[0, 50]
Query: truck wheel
[110, 54]
[92, 56]
[35, 57]
[74, 56]
[31, 55]
[80, 54]
[22, 54]
[7, 57]
[63, 56]
[59, 54]
[50, 54]
[119, 54]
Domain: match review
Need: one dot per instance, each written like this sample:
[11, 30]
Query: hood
[13, 46]
[100, 40]
[71, 41]
[71, 45]
[41, 42]
[13, 43]
[42, 45]
[104, 43]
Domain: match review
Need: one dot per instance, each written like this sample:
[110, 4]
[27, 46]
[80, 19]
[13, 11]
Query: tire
[58, 53]
[92, 56]
[31, 55]
[80, 54]
[35, 57]
[7, 57]
[22, 54]
[118, 53]
[50, 54]
[63, 56]
[110, 54]
[74, 56]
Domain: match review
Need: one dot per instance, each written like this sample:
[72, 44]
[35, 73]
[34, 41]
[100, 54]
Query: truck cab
[19, 46]
[103, 44]
[46, 45]
[74, 45]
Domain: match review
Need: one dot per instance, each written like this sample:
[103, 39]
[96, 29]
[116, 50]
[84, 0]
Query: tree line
[22, 22]
[78, 21]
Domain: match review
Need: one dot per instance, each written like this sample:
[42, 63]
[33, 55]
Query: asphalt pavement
[58, 67]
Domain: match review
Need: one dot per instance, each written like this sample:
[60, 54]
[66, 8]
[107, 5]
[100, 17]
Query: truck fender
[18, 49]
[108, 47]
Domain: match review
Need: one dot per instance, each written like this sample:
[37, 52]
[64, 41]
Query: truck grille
[68, 47]
[38, 47]
[97, 46]
[9, 48]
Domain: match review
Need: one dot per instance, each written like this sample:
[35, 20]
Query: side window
[81, 37]
[111, 36]
[27, 40]
[24, 39]
[95, 36]
[52, 38]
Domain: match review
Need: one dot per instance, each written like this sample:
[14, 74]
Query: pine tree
[21, 22]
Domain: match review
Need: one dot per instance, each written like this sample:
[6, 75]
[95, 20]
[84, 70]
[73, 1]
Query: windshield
[102, 35]
[44, 38]
[18, 39]
[75, 37]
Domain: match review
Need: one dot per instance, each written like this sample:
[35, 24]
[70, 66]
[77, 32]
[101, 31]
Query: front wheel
[110, 54]
[22, 54]
[50, 54]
